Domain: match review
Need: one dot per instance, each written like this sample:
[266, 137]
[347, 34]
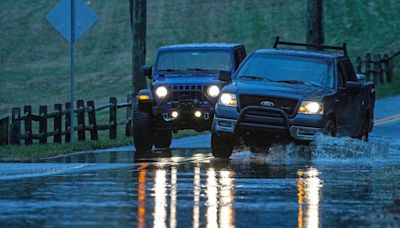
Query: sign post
[72, 18]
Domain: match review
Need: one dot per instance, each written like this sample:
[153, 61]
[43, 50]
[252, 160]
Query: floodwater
[339, 182]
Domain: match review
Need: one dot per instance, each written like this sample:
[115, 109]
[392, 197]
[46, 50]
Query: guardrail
[10, 126]
[377, 67]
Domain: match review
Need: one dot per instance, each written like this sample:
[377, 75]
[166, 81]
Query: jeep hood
[194, 79]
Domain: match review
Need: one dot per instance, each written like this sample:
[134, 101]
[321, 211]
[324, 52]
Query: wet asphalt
[338, 182]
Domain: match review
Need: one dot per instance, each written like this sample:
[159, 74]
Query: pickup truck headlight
[161, 92]
[213, 91]
[311, 107]
[228, 99]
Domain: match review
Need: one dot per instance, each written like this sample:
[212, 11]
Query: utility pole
[138, 36]
[315, 22]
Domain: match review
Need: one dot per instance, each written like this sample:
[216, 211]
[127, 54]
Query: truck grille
[188, 92]
[288, 105]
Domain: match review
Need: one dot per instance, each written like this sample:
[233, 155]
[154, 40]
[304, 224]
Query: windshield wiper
[197, 69]
[168, 70]
[255, 78]
[291, 81]
[313, 84]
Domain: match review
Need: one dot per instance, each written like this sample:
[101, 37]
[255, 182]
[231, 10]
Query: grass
[387, 89]
[36, 152]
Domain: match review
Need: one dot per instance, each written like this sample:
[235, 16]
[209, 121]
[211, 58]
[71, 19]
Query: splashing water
[326, 148]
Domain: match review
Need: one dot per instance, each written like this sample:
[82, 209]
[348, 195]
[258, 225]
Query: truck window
[348, 70]
[342, 79]
[239, 56]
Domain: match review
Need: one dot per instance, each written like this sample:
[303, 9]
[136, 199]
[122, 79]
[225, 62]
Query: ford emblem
[267, 104]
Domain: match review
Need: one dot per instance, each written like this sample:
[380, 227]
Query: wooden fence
[10, 126]
[377, 67]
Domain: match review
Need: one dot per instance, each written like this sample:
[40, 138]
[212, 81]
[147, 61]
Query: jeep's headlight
[161, 92]
[213, 91]
[311, 107]
[228, 99]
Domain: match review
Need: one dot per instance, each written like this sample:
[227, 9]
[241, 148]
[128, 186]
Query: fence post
[67, 122]
[4, 131]
[380, 70]
[80, 105]
[43, 125]
[358, 65]
[368, 66]
[113, 118]
[128, 128]
[57, 123]
[92, 120]
[15, 126]
[28, 124]
[388, 68]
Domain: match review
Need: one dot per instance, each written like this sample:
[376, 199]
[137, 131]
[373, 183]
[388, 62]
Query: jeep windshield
[287, 69]
[183, 62]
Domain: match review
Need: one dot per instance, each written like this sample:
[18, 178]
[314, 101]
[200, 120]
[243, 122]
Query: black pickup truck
[290, 95]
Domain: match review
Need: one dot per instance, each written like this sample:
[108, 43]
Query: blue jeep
[184, 89]
[290, 95]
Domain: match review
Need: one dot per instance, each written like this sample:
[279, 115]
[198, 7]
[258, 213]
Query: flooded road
[338, 182]
[189, 188]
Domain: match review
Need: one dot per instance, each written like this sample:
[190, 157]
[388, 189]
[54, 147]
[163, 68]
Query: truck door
[352, 116]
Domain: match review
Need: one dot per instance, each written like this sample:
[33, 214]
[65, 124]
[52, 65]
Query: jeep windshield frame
[180, 62]
[289, 69]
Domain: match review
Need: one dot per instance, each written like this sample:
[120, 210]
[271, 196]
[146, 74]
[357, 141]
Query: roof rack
[318, 47]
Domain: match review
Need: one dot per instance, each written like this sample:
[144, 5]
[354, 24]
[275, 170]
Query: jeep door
[350, 103]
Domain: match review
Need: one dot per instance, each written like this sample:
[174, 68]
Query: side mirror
[353, 87]
[225, 76]
[148, 70]
[361, 77]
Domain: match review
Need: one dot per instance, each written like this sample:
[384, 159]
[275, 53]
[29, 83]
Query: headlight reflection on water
[218, 198]
[309, 186]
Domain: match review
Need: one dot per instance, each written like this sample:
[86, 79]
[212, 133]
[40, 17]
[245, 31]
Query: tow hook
[166, 117]
[206, 116]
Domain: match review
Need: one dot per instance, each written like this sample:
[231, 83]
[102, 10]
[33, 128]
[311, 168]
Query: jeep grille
[288, 105]
[188, 92]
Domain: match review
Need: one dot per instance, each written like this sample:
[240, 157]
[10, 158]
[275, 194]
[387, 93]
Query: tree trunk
[315, 22]
[138, 35]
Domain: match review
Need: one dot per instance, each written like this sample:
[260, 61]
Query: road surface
[344, 183]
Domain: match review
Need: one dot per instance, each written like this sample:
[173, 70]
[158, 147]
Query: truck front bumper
[300, 127]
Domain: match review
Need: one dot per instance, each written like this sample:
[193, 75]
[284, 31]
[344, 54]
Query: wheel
[142, 131]
[222, 145]
[365, 129]
[162, 138]
[330, 128]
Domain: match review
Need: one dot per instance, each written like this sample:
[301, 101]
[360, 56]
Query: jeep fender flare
[145, 100]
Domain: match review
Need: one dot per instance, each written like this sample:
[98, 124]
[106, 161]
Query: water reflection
[214, 190]
[309, 186]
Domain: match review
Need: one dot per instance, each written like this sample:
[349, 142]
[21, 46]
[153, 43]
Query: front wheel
[222, 145]
[365, 129]
[330, 128]
[162, 138]
[142, 131]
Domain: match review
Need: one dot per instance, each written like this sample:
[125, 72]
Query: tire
[142, 131]
[330, 128]
[222, 145]
[365, 129]
[162, 138]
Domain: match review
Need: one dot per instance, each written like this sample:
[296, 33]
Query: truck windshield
[287, 69]
[199, 61]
